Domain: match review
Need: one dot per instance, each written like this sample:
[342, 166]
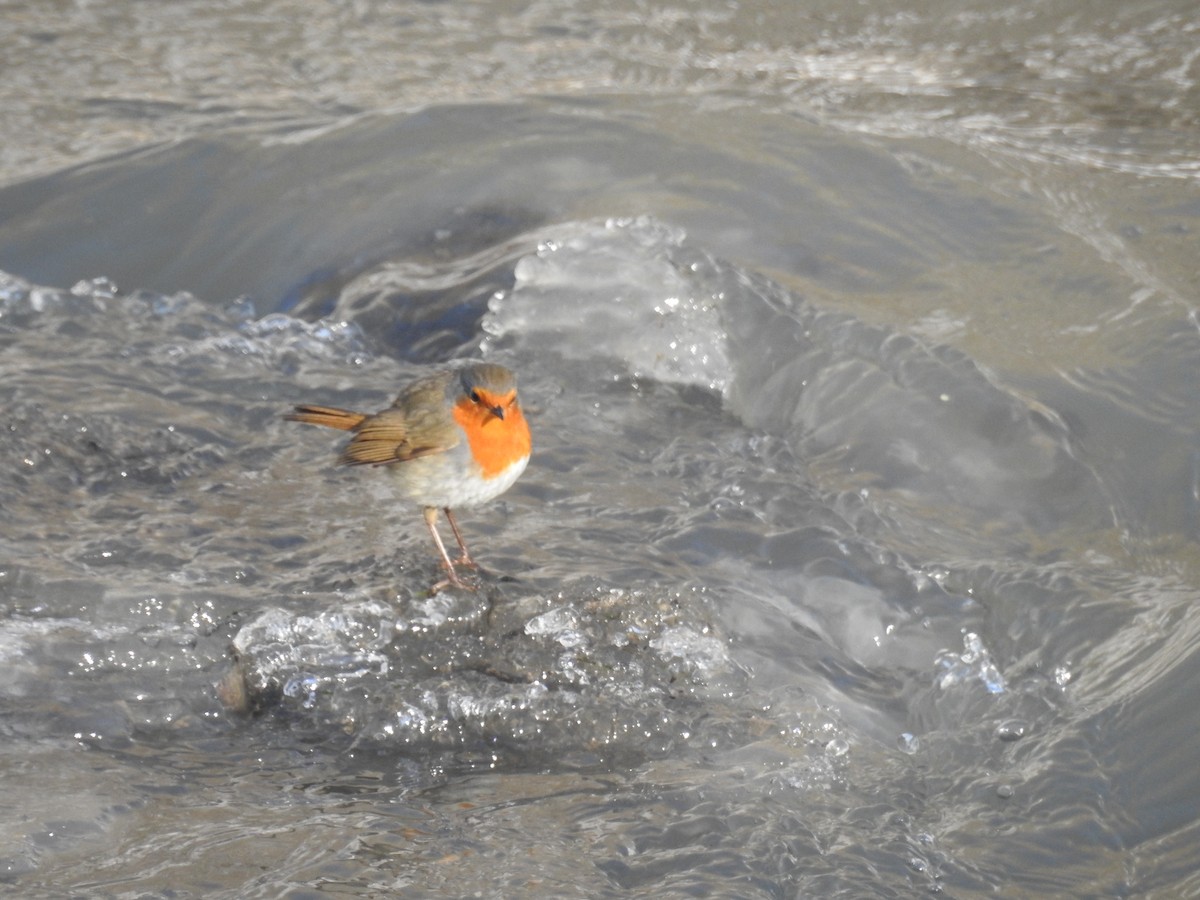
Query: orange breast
[495, 443]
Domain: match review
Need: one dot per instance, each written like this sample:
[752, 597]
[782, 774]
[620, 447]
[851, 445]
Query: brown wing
[389, 437]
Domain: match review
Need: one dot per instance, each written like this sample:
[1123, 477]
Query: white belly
[444, 481]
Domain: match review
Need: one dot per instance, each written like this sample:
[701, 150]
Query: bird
[453, 439]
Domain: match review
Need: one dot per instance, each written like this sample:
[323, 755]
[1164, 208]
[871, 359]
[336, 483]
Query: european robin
[456, 438]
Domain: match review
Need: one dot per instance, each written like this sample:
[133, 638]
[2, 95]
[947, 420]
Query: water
[858, 551]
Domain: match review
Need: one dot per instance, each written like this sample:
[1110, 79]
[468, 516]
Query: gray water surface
[857, 555]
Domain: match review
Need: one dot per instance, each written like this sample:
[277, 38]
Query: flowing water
[858, 554]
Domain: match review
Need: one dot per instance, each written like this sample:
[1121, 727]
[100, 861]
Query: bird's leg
[465, 559]
[430, 513]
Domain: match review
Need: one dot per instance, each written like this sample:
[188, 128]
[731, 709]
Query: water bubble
[556, 623]
[241, 309]
[704, 654]
[303, 687]
[991, 678]
[938, 574]
[166, 305]
[1011, 730]
[100, 288]
[908, 743]
[41, 298]
[973, 662]
[837, 747]
[972, 648]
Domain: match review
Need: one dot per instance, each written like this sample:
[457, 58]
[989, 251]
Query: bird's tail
[329, 416]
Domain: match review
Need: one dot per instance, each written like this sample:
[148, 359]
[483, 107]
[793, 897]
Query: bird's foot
[453, 581]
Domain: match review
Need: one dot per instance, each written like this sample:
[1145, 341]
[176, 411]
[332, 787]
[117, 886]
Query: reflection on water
[857, 555]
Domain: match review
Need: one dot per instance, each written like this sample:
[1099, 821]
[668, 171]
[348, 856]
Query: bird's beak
[498, 412]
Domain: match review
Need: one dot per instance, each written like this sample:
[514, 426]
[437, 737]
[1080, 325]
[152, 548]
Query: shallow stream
[858, 553]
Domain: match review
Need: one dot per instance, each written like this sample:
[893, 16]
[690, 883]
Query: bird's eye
[475, 398]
